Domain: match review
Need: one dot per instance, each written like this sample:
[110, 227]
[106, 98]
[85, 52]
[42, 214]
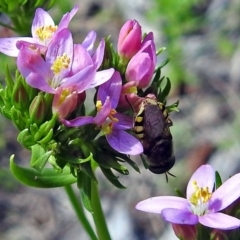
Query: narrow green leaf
[144, 161]
[110, 161]
[84, 184]
[164, 63]
[48, 178]
[132, 164]
[165, 90]
[87, 168]
[218, 180]
[112, 178]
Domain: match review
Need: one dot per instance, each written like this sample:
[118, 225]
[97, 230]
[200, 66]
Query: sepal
[39, 157]
[25, 138]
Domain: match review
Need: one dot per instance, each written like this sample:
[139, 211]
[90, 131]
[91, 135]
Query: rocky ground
[205, 130]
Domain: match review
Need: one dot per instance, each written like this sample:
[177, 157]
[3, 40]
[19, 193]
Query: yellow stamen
[201, 195]
[45, 32]
[60, 63]
[108, 124]
[99, 105]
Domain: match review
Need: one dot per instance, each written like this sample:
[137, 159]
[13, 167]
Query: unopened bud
[20, 98]
[38, 109]
[129, 40]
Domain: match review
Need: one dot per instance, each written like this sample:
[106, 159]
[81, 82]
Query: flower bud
[20, 98]
[185, 232]
[64, 101]
[38, 109]
[142, 65]
[129, 40]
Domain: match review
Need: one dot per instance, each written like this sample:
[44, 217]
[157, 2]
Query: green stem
[80, 212]
[98, 215]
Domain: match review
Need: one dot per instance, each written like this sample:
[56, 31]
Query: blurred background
[202, 38]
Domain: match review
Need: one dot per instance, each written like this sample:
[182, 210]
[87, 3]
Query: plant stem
[80, 212]
[98, 215]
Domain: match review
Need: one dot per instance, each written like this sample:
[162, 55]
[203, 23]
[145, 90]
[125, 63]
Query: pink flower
[141, 67]
[129, 40]
[65, 64]
[112, 124]
[202, 204]
[43, 31]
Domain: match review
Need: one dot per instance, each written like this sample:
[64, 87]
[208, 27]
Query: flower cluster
[47, 98]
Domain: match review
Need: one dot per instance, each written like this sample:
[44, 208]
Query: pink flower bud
[186, 232]
[129, 40]
[141, 67]
[64, 101]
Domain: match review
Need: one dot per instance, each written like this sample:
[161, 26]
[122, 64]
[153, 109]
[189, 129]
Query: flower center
[62, 62]
[108, 123]
[200, 199]
[45, 32]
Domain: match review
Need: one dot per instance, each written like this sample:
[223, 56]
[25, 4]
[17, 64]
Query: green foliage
[47, 178]
[25, 10]
[177, 19]
[218, 180]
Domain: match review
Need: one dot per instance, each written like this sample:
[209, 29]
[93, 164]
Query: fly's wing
[153, 122]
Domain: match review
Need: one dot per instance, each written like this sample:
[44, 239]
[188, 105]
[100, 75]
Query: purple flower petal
[8, 45]
[103, 113]
[37, 81]
[111, 89]
[157, 204]
[179, 216]
[123, 142]
[30, 61]
[77, 122]
[61, 44]
[227, 193]
[219, 221]
[67, 17]
[204, 176]
[98, 55]
[41, 19]
[31, 45]
[148, 37]
[81, 59]
[81, 80]
[124, 122]
[101, 77]
[88, 42]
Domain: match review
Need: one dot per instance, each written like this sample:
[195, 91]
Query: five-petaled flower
[112, 124]
[43, 31]
[65, 64]
[202, 204]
